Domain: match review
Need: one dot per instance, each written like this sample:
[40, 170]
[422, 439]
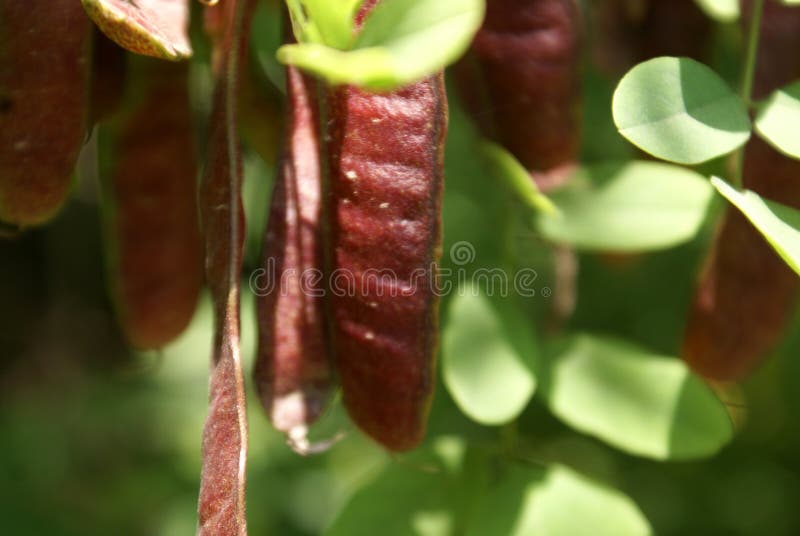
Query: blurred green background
[97, 439]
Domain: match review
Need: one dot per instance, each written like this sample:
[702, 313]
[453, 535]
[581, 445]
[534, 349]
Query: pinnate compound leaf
[636, 206]
[679, 110]
[778, 120]
[157, 28]
[779, 224]
[555, 501]
[221, 505]
[639, 402]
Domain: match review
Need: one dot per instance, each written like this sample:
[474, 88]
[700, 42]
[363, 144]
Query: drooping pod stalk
[293, 369]
[155, 249]
[221, 505]
[746, 293]
[44, 81]
[520, 82]
[384, 180]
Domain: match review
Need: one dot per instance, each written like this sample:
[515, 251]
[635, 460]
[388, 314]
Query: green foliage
[779, 224]
[639, 402]
[401, 41]
[130, 436]
[418, 498]
[721, 10]
[636, 206]
[778, 118]
[679, 110]
[488, 356]
[327, 22]
[555, 501]
[503, 165]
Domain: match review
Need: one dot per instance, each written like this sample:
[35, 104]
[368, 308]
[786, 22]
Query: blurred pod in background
[44, 83]
[626, 32]
[746, 293]
[521, 83]
[152, 231]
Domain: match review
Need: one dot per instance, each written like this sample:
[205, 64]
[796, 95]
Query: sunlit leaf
[333, 20]
[720, 10]
[555, 501]
[779, 224]
[402, 41]
[778, 120]
[639, 402]
[488, 356]
[635, 206]
[678, 109]
[505, 166]
[415, 498]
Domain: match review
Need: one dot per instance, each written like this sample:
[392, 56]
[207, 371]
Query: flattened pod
[293, 369]
[154, 237]
[520, 82]
[385, 159]
[44, 78]
[746, 293]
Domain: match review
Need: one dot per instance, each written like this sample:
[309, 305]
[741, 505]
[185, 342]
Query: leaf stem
[749, 76]
[752, 51]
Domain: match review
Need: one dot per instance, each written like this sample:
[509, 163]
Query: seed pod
[746, 292]
[154, 237]
[221, 505]
[385, 157]
[520, 82]
[674, 28]
[44, 76]
[629, 31]
[293, 370]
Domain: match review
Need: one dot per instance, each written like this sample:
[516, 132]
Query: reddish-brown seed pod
[293, 369]
[44, 77]
[746, 292]
[520, 82]
[629, 31]
[221, 504]
[154, 235]
[385, 160]
[674, 28]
